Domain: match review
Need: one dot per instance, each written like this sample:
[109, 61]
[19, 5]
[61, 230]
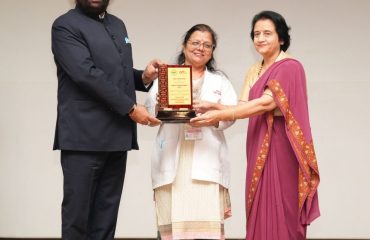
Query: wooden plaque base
[175, 116]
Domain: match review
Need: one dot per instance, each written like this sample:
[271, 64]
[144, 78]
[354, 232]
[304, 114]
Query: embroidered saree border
[308, 172]
[192, 229]
[260, 163]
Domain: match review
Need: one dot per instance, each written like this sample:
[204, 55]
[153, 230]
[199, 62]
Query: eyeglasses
[206, 46]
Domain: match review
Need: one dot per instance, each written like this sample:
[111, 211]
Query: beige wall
[330, 37]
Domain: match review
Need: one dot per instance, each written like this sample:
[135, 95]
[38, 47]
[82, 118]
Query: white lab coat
[210, 159]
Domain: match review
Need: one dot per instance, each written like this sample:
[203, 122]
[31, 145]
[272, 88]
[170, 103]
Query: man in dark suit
[96, 115]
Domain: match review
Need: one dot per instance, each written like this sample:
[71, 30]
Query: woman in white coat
[190, 166]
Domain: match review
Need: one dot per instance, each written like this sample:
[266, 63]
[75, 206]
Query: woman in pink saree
[282, 171]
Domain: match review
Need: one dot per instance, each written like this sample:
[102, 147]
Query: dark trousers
[93, 183]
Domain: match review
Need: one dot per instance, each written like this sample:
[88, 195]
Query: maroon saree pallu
[282, 171]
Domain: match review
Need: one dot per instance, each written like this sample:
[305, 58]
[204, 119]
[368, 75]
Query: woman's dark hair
[281, 27]
[211, 65]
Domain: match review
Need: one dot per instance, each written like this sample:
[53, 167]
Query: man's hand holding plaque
[175, 94]
[140, 115]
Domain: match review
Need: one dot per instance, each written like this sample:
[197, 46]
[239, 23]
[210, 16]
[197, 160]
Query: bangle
[232, 114]
[268, 94]
[132, 110]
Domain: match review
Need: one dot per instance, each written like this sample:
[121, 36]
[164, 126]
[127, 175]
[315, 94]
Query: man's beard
[93, 9]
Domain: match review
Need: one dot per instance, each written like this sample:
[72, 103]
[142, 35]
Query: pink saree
[282, 171]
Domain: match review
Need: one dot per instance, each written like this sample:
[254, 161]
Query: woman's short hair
[281, 27]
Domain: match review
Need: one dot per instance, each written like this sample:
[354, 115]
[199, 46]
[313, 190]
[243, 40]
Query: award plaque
[175, 94]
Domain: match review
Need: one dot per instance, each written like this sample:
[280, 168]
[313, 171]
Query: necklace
[260, 69]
